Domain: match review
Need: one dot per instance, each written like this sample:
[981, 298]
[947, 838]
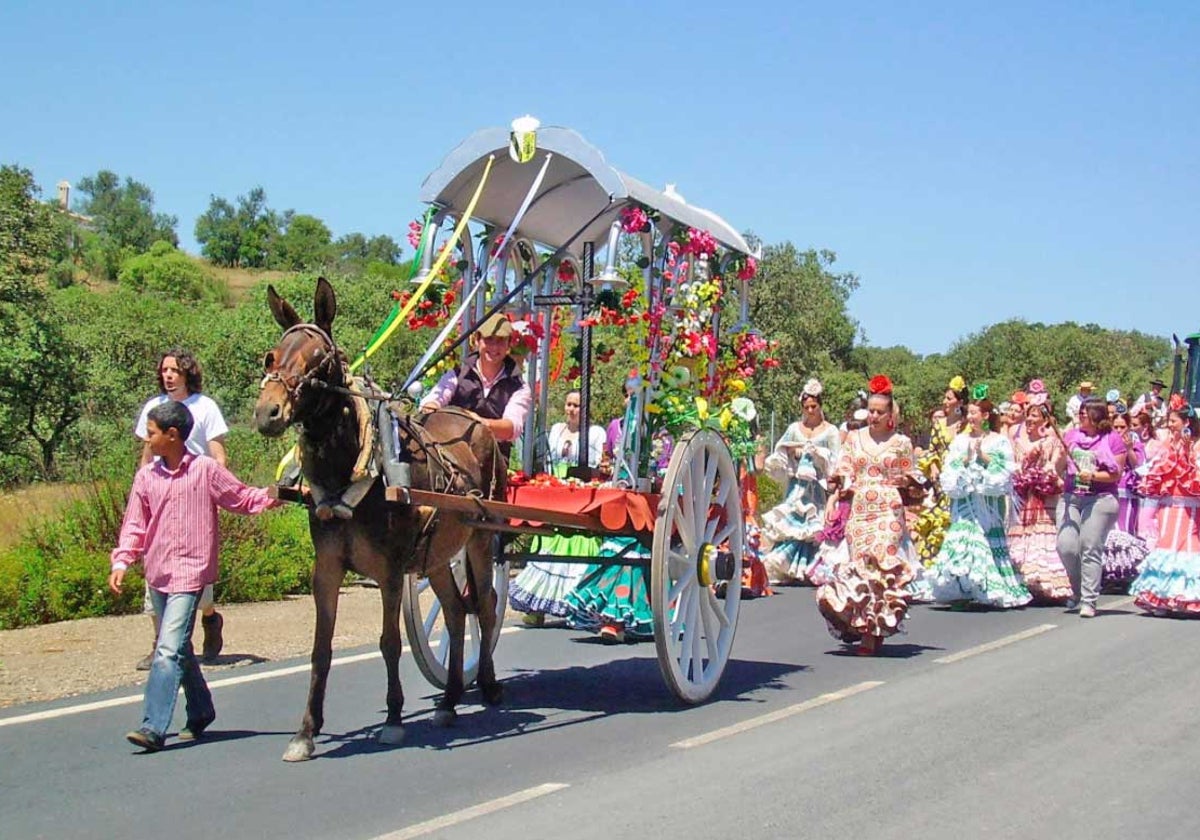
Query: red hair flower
[1177, 402]
[880, 385]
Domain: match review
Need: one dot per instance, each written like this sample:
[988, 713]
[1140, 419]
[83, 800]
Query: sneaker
[146, 739]
[195, 729]
[612, 634]
[145, 662]
[213, 640]
[1072, 605]
[534, 619]
[1087, 611]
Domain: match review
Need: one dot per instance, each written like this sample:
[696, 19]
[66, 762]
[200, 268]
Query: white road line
[998, 643]
[771, 717]
[482, 809]
[50, 714]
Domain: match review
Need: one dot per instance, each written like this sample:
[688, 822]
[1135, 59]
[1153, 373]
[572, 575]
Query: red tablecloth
[617, 510]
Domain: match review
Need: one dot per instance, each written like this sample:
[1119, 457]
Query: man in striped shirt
[171, 525]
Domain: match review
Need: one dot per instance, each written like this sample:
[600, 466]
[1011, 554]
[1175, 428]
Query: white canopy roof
[579, 183]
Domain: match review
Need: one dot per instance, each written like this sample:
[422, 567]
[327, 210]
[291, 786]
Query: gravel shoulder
[94, 654]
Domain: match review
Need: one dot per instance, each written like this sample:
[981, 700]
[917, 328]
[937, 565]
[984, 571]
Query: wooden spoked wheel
[698, 540]
[428, 639]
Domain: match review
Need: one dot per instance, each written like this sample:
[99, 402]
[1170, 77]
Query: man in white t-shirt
[180, 379]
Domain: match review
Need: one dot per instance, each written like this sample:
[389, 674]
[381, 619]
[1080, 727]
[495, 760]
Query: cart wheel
[699, 511]
[429, 643]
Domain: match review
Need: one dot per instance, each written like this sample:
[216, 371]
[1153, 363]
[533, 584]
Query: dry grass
[19, 507]
[241, 280]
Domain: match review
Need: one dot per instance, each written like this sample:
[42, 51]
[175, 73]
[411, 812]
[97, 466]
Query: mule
[306, 385]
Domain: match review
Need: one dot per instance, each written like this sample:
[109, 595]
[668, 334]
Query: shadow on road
[896, 651]
[534, 700]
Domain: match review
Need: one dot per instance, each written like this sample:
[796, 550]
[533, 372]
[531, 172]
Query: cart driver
[488, 383]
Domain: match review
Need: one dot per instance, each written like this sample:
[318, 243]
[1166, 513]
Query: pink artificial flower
[748, 269]
[634, 220]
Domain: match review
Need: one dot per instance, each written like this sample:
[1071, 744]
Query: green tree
[238, 236]
[218, 233]
[304, 244]
[123, 220]
[355, 251]
[40, 387]
[799, 301]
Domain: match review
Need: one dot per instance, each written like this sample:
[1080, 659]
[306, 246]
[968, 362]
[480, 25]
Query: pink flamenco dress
[1032, 533]
[865, 596]
[1169, 581]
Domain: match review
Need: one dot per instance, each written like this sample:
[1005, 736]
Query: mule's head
[304, 357]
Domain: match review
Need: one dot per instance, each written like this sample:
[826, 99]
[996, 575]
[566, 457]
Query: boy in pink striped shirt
[171, 525]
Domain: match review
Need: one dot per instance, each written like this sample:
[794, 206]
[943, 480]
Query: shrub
[266, 557]
[769, 493]
[172, 273]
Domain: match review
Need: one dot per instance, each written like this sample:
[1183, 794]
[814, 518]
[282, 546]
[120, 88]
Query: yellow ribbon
[433, 272]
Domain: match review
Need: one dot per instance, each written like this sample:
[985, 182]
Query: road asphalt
[1027, 723]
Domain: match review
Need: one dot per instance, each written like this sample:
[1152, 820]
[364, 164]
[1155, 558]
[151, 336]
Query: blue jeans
[175, 664]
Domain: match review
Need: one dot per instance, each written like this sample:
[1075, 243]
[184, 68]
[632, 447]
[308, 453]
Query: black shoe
[144, 738]
[145, 662]
[213, 640]
[195, 729]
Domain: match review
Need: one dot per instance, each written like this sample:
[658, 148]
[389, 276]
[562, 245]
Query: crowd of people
[1003, 506]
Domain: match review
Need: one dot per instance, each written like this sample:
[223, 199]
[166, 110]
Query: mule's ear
[324, 306]
[284, 314]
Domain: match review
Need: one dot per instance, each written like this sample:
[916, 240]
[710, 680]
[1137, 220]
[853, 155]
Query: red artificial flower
[1177, 402]
[880, 384]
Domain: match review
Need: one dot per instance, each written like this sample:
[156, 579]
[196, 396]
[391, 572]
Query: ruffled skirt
[791, 531]
[1169, 580]
[1032, 547]
[1124, 549]
[974, 564]
[613, 594]
[542, 587]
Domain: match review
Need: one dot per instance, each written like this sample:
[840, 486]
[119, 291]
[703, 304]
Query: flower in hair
[1120, 407]
[1178, 403]
[1038, 398]
[880, 385]
[1112, 396]
[979, 392]
[812, 388]
[1037, 386]
[958, 384]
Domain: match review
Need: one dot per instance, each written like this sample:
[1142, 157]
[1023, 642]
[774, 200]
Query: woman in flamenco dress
[1169, 581]
[973, 565]
[929, 528]
[1037, 485]
[805, 454]
[864, 600]
[1125, 548]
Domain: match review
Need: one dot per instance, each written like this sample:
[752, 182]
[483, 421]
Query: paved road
[1067, 728]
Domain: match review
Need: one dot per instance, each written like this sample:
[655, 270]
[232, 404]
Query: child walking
[171, 525]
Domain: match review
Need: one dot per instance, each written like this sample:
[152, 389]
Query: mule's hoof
[493, 693]
[444, 718]
[298, 749]
[323, 512]
[343, 511]
[390, 735]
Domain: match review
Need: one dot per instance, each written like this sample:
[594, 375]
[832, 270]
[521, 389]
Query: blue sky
[971, 162]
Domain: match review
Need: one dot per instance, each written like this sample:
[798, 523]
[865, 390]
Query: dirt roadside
[94, 654]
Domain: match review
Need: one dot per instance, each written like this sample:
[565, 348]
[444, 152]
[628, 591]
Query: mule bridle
[295, 385]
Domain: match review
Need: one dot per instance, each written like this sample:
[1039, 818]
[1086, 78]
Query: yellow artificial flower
[736, 386]
[702, 408]
[726, 418]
